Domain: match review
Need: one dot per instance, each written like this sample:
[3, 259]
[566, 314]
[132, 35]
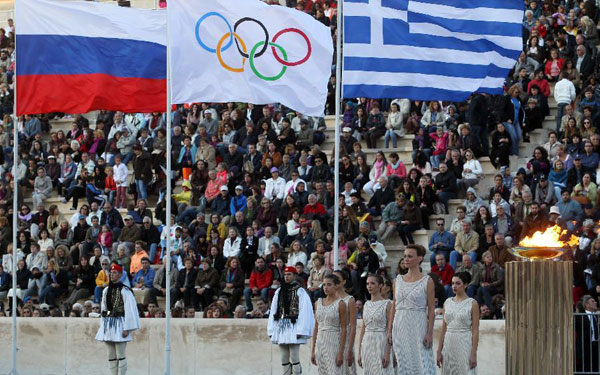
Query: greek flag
[429, 49]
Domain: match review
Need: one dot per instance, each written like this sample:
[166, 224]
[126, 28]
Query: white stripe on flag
[364, 10]
[473, 14]
[507, 42]
[420, 80]
[427, 54]
[122, 23]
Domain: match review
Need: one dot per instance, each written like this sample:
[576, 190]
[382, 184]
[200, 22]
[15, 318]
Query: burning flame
[552, 237]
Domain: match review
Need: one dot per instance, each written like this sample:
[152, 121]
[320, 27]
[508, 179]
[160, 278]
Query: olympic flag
[248, 51]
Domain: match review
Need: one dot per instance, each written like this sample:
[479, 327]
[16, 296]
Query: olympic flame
[552, 237]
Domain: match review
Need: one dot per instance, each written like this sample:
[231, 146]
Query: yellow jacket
[102, 279]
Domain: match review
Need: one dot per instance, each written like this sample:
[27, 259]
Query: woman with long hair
[410, 326]
[411, 221]
[330, 331]
[377, 170]
[433, 117]
[57, 284]
[362, 173]
[373, 348]
[425, 197]
[198, 179]
[586, 191]
[349, 223]
[232, 281]
[482, 218]
[459, 339]
[513, 117]
[349, 364]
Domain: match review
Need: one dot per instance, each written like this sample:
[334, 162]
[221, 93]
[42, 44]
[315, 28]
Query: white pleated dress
[410, 328]
[283, 331]
[459, 337]
[111, 329]
[374, 340]
[328, 338]
[348, 370]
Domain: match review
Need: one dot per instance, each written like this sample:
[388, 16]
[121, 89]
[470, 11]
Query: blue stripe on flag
[415, 93]
[372, 64]
[395, 32]
[395, 4]
[67, 54]
[469, 4]
[467, 26]
[357, 29]
[412, 92]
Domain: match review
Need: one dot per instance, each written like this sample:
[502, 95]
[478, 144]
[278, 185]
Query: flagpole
[167, 253]
[14, 217]
[338, 99]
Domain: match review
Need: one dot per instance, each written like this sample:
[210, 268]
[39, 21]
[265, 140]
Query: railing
[587, 344]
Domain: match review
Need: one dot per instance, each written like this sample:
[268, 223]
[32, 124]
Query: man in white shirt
[564, 94]
[275, 187]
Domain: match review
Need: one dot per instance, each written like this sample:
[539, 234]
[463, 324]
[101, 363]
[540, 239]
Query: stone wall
[59, 346]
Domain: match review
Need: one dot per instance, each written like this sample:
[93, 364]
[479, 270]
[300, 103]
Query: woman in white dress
[457, 349]
[373, 347]
[350, 365]
[410, 325]
[329, 334]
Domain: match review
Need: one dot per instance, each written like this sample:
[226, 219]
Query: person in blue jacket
[238, 201]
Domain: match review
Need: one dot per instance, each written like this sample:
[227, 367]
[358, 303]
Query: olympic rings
[262, 51]
[212, 50]
[236, 37]
[275, 77]
[233, 35]
[303, 60]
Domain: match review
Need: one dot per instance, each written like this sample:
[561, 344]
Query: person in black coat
[85, 282]
[575, 174]
[424, 199]
[586, 68]
[184, 288]
[23, 276]
[367, 264]
[382, 196]
[533, 117]
[501, 144]
[542, 101]
[347, 171]
[445, 185]
[248, 251]
[587, 332]
[477, 116]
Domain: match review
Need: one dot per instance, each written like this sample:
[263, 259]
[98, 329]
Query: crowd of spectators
[254, 192]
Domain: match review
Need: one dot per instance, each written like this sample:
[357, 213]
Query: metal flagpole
[338, 99]
[14, 218]
[167, 253]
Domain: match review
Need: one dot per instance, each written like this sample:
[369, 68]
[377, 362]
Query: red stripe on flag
[81, 93]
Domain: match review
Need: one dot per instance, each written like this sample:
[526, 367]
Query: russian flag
[75, 57]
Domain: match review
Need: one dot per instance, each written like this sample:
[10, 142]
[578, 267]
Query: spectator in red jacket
[261, 278]
[314, 209]
[541, 82]
[444, 271]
